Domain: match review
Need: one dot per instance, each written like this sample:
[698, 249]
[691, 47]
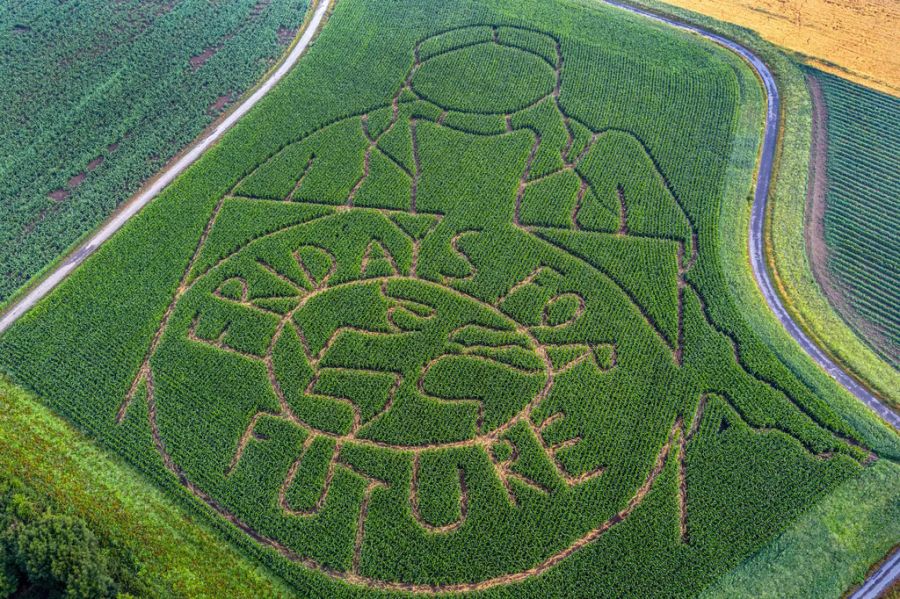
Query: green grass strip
[178, 555]
[830, 548]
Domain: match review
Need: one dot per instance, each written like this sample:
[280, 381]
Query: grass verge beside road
[830, 548]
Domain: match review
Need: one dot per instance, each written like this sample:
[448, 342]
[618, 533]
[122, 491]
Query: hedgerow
[429, 376]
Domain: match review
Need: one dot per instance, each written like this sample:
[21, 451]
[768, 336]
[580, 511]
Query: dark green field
[448, 312]
[99, 95]
[862, 213]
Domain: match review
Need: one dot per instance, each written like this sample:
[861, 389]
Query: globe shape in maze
[416, 362]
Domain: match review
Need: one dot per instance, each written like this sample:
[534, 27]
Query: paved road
[757, 218]
[879, 582]
[889, 572]
[17, 309]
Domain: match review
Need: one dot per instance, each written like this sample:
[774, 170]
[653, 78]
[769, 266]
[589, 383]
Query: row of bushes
[45, 552]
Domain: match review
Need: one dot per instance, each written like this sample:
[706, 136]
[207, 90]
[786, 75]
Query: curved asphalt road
[883, 578]
[17, 309]
[878, 582]
[757, 217]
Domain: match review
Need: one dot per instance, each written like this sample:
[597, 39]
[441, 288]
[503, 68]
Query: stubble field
[855, 39]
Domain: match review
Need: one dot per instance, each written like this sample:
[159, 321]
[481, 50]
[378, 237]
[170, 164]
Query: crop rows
[100, 95]
[439, 331]
[862, 203]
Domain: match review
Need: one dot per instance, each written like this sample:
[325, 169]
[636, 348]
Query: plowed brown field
[856, 39]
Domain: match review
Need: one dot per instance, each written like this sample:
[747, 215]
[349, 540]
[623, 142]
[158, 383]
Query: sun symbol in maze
[379, 367]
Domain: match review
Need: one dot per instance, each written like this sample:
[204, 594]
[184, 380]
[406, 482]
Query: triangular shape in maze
[415, 225]
[605, 356]
[562, 357]
[316, 264]
[377, 261]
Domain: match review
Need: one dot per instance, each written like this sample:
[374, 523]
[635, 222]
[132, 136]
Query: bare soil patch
[855, 39]
[220, 103]
[58, 195]
[200, 59]
[817, 188]
[76, 180]
[259, 7]
[285, 35]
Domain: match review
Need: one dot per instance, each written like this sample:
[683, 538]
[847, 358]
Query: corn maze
[460, 340]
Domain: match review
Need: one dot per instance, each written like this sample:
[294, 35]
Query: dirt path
[817, 188]
[133, 206]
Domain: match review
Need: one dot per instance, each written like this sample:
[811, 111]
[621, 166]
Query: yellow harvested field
[856, 39]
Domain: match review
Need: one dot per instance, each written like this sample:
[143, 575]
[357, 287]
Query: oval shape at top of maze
[485, 78]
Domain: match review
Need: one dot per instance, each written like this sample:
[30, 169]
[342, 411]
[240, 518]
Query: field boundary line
[17, 308]
[761, 274]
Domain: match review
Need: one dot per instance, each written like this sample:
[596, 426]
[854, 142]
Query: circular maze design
[386, 381]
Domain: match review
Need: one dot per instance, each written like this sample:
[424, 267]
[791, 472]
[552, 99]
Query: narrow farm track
[881, 580]
[757, 217]
[165, 177]
[889, 572]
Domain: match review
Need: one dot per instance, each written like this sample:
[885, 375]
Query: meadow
[450, 311]
[99, 95]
